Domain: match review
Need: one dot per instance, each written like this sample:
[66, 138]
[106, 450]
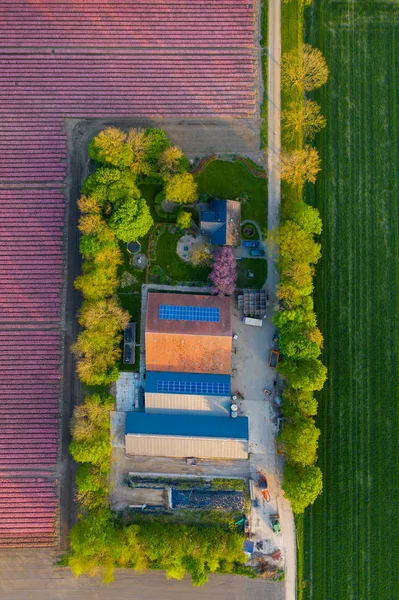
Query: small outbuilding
[184, 435]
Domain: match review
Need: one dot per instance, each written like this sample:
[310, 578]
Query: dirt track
[30, 576]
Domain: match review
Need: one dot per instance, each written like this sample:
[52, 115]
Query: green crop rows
[352, 531]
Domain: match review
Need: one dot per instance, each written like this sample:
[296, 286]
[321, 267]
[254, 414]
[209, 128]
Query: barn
[188, 333]
[184, 435]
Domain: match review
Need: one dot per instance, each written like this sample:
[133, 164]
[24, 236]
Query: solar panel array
[189, 313]
[194, 387]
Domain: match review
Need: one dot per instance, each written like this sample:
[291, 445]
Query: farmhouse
[188, 343]
[222, 222]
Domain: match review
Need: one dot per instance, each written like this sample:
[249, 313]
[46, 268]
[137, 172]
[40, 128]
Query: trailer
[253, 322]
[274, 358]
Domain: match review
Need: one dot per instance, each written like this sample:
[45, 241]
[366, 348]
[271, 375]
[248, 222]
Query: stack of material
[253, 303]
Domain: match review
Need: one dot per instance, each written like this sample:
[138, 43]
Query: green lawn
[352, 531]
[257, 266]
[173, 266]
[229, 180]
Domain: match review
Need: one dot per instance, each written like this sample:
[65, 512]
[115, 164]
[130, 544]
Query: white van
[253, 322]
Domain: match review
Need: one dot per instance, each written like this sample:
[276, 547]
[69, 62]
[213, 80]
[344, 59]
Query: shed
[179, 436]
[170, 392]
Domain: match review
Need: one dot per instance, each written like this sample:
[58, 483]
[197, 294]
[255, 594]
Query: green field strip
[352, 532]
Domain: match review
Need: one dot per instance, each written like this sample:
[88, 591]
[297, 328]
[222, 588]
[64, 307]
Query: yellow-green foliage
[99, 543]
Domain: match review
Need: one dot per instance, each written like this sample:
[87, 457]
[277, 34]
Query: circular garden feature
[249, 232]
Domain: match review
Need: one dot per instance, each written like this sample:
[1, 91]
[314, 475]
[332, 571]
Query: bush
[301, 486]
[184, 219]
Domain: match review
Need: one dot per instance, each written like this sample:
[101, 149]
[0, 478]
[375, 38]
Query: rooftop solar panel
[189, 313]
[194, 387]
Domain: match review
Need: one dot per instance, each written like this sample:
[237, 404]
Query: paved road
[274, 198]
[30, 576]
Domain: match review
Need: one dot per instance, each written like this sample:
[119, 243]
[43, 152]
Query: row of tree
[302, 72]
[301, 340]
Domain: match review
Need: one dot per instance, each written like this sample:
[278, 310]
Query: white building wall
[182, 447]
[177, 403]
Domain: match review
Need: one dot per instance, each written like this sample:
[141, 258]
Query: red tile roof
[188, 346]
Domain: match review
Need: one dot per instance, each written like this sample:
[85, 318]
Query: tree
[224, 273]
[307, 217]
[296, 245]
[158, 144]
[307, 70]
[184, 219]
[308, 374]
[104, 315]
[200, 255]
[170, 159]
[97, 281]
[295, 341]
[109, 147]
[181, 188]
[298, 403]
[131, 219]
[90, 420]
[139, 144]
[302, 118]
[299, 439]
[301, 486]
[300, 166]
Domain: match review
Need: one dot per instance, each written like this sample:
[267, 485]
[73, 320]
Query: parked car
[257, 252]
[128, 335]
[250, 244]
[127, 355]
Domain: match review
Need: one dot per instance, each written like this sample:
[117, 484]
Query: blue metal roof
[193, 383]
[217, 214]
[208, 426]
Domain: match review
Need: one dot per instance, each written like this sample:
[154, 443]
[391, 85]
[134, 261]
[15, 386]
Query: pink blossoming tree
[224, 273]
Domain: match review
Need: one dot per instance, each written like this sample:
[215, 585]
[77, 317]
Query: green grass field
[352, 531]
[229, 180]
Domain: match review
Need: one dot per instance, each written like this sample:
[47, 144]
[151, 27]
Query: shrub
[301, 486]
[184, 219]
[181, 188]
[224, 272]
[200, 255]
